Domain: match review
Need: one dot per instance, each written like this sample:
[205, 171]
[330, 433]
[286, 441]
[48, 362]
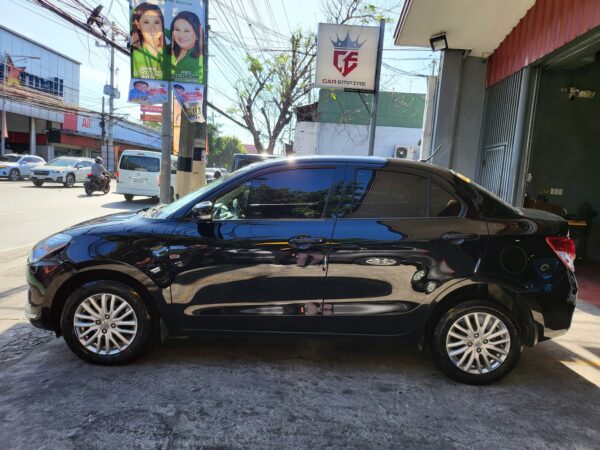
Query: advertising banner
[190, 97]
[147, 92]
[167, 40]
[346, 57]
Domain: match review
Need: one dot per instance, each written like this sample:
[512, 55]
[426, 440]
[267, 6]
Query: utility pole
[167, 147]
[107, 151]
[110, 153]
[373, 124]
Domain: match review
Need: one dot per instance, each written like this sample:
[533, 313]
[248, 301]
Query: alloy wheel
[105, 324]
[14, 175]
[69, 181]
[478, 343]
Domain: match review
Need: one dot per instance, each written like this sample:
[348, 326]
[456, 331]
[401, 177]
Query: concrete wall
[566, 141]
[459, 111]
[343, 139]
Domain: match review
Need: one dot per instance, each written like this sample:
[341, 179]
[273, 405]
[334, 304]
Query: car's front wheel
[476, 342]
[69, 181]
[14, 175]
[38, 183]
[106, 322]
[128, 197]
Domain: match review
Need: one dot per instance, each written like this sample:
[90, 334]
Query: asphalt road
[269, 392]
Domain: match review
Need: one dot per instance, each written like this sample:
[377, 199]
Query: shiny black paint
[330, 275]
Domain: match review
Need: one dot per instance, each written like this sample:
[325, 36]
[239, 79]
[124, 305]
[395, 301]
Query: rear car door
[259, 264]
[402, 235]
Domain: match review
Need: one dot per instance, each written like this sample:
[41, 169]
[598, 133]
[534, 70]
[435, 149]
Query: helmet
[98, 160]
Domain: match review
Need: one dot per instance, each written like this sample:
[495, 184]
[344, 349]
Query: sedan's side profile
[329, 245]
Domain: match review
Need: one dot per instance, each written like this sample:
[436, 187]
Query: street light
[438, 41]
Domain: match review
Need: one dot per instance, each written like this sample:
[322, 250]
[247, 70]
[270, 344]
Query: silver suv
[67, 170]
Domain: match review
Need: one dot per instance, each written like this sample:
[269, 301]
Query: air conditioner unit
[404, 152]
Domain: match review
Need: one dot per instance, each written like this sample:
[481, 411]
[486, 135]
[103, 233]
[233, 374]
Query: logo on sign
[345, 54]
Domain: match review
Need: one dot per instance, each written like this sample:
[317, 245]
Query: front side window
[288, 194]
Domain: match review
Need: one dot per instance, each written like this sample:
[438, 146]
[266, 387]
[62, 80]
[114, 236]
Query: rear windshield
[140, 163]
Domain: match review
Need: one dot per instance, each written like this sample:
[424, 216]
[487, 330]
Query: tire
[128, 197]
[106, 189]
[38, 183]
[69, 181]
[126, 340]
[484, 363]
[14, 175]
[88, 189]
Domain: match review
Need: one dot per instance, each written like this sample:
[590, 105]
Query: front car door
[259, 264]
[402, 236]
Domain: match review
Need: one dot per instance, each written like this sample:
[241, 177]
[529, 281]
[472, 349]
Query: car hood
[55, 168]
[118, 223]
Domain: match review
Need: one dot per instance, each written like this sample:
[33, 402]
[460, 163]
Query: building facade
[339, 125]
[40, 102]
[517, 101]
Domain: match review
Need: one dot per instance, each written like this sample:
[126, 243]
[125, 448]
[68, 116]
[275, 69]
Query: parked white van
[139, 174]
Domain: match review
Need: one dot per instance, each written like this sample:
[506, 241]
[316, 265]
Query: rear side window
[379, 193]
[387, 194]
[140, 163]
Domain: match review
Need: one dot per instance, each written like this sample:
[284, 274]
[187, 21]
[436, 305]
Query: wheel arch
[502, 295]
[67, 288]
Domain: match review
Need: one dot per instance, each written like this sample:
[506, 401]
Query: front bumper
[45, 279]
[48, 178]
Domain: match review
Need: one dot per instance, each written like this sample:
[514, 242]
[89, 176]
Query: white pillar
[32, 136]
[50, 152]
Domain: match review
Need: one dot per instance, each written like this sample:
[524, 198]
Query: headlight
[49, 246]
[55, 172]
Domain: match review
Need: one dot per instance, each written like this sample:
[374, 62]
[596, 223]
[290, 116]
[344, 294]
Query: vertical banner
[167, 44]
[190, 97]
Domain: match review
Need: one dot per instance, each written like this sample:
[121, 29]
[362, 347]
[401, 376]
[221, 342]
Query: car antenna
[433, 154]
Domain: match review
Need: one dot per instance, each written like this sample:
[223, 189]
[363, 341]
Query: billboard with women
[167, 44]
[167, 40]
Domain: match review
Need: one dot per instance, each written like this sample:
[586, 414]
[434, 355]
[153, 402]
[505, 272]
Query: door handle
[452, 236]
[303, 242]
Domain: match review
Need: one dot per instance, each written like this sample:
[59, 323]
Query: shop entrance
[564, 156]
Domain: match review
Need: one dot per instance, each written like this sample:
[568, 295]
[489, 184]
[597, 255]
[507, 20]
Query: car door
[28, 163]
[259, 264]
[402, 236]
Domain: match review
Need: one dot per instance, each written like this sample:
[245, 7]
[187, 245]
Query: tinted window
[442, 204]
[10, 158]
[140, 163]
[379, 193]
[290, 194]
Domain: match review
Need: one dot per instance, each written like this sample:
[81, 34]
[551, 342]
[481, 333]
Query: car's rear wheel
[14, 175]
[106, 322]
[38, 183]
[476, 342]
[88, 189]
[128, 197]
[69, 181]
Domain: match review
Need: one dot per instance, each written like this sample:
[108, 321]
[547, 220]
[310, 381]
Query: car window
[288, 194]
[140, 163]
[386, 194]
[442, 204]
[62, 162]
[9, 158]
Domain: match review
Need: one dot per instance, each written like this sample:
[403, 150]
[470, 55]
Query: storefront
[517, 101]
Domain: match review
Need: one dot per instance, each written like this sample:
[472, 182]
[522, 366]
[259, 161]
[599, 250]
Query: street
[268, 392]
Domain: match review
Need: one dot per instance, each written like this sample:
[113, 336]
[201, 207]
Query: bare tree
[350, 12]
[276, 84]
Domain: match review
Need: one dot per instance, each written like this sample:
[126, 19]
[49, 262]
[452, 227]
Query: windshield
[164, 210]
[10, 158]
[62, 162]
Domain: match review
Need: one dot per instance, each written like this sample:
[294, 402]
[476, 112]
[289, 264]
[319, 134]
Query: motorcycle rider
[98, 172]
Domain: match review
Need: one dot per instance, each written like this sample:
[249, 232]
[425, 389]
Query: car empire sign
[346, 57]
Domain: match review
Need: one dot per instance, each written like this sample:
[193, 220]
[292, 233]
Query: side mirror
[202, 211]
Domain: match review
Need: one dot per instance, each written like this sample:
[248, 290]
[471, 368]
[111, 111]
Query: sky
[236, 25]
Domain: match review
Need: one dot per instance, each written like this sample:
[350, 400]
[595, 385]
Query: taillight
[159, 181]
[117, 175]
[564, 248]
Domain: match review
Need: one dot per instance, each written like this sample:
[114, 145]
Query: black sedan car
[329, 245]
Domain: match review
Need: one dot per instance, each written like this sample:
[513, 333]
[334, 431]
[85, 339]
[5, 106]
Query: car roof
[376, 160]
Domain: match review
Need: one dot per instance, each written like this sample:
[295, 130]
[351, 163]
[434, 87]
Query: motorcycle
[92, 184]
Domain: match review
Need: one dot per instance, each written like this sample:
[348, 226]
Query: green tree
[222, 148]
